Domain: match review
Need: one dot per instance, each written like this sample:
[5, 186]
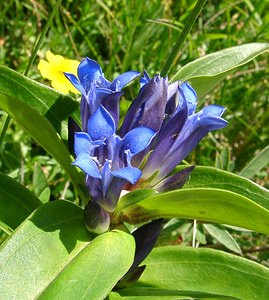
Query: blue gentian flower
[159, 130]
[107, 159]
[96, 89]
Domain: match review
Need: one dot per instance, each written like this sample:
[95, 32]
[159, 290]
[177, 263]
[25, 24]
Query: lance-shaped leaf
[198, 273]
[43, 132]
[51, 255]
[16, 202]
[205, 72]
[215, 178]
[205, 204]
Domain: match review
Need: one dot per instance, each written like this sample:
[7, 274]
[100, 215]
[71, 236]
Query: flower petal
[73, 79]
[129, 173]
[85, 162]
[175, 181]
[83, 143]
[148, 108]
[101, 124]
[137, 140]
[122, 80]
[89, 70]
[187, 92]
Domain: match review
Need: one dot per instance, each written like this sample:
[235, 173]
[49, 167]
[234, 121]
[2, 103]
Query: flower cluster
[159, 130]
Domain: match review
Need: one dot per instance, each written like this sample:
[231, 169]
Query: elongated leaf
[205, 72]
[205, 204]
[200, 272]
[256, 164]
[44, 133]
[16, 202]
[215, 178]
[52, 253]
[223, 236]
[55, 106]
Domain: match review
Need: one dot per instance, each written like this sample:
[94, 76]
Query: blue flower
[159, 130]
[181, 130]
[96, 89]
[107, 159]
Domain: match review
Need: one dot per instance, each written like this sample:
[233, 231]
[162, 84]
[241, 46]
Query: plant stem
[187, 28]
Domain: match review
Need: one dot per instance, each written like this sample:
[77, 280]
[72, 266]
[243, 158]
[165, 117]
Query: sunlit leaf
[204, 204]
[174, 270]
[52, 256]
[205, 72]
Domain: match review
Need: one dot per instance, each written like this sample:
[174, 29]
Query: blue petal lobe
[89, 70]
[87, 165]
[101, 124]
[137, 139]
[129, 173]
[83, 143]
[122, 80]
[73, 79]
[186, 91]
[214, 110]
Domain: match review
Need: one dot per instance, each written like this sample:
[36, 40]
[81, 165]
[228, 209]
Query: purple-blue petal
[144, 79]
[148, 108]
[85, 162]
[187, 92]
[129, 173]
[214, 110]
[106, 176]
[89, 70]
[122, 80]
[83, 143]
[73, 79]
[101, 124]
[137, 139]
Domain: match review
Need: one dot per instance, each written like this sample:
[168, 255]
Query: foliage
[225, 58]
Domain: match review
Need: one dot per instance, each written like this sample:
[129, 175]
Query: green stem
[187, 28]
[32, 58]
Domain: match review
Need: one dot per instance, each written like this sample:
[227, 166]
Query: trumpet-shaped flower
[53, 69]
[161, 125]
[107, 158]
[97, 90]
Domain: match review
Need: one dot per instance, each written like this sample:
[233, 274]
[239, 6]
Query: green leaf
[200, 273]
[56, 107]
[204, 204]
[223, 236]
[16, 202]
[39, 180]
[215, 178]
[43, 132]
[256, 164]
[205, 72]
[52, 256]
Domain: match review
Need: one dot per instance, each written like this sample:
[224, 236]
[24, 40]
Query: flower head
[161, 125]
[97, 90]
[53, 69]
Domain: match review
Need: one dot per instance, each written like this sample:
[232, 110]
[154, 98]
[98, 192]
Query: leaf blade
[28, 267]
[192, 271]
[205, 204]
[16, 202]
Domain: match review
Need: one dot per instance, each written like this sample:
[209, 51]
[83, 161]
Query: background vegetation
[124, 35]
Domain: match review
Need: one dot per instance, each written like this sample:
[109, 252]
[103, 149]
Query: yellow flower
[53, 69]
